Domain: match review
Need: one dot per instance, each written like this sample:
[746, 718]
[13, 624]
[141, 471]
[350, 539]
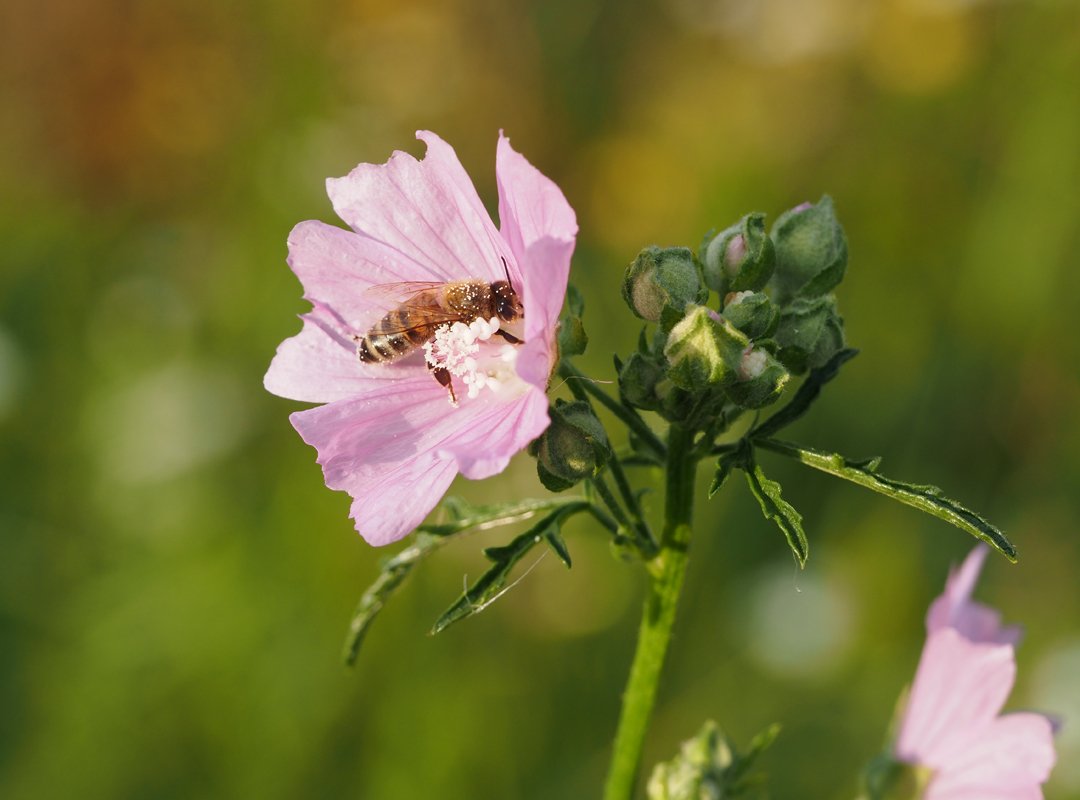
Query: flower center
[457, 349]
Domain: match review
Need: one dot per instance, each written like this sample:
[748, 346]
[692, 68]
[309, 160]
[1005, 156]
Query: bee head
[507, 303]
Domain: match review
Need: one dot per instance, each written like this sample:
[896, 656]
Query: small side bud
[573, 447]
[739, 258]
[761, 379]
[662, 279]
[753, 313]
[811, 331]
[638, 379]
[811, 251]
[704, 350]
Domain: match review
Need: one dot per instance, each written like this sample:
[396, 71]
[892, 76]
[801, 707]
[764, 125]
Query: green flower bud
[811, 251]
[660, 280]
[700, 770]
[704, 350]
[761, 379]
[739, 258]
[810, 332]
[573, 447]
[753, 313]
[637, 381]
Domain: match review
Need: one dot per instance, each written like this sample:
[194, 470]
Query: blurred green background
[175, 580]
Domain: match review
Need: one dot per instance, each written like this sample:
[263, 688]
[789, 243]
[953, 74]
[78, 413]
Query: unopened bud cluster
[773, 315]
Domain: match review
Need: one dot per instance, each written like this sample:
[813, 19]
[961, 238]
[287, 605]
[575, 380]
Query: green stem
[666, 572]
[626, 414]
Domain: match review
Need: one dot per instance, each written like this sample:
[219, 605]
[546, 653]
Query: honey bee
[427, 307]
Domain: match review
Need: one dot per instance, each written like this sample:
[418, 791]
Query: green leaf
[393, 574]
[464, 516]
[925, 498]
[779, 510]
[554, 539]
[806, 395]
[739, 456]
[489, 586]
[429, 538]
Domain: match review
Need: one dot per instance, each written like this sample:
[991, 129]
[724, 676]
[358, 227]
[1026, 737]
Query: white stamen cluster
[456, 348]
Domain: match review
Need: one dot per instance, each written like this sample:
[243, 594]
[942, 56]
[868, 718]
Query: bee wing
[395, 294]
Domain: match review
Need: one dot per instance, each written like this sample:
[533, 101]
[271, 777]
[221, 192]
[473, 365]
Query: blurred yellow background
[175, 580]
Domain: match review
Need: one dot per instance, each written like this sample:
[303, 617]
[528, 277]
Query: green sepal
[811, 331]
[638, 377]
[753, 313]
[572, 338]
[805, 397]
[741, 257]
[662, 279]
[491, 584]
[765, 382]
[704, 350]
[575, 301]
[811, 251]
[779, 510]
[929, 499]
[573, 447]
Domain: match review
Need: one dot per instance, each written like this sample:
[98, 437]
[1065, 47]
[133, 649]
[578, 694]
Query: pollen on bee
[457, 349]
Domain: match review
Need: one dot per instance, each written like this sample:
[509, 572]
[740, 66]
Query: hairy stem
[666, 572]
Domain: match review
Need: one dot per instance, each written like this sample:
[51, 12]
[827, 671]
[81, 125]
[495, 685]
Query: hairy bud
[704, 350]
[573, 447]
[660, 282]
[753, 313]
[811, 251]
[739, 258]
[810, 332]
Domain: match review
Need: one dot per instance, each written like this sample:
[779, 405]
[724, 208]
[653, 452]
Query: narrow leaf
[779, 510]
[428, 539]
[554, 539]
[806, 395]
[393, 574]
[464, 516]
[492, 583]
[925, 498]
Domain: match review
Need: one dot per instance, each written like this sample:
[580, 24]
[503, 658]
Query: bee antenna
[506, 269]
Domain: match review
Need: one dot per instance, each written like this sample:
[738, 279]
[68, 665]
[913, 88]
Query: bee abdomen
[379, 345]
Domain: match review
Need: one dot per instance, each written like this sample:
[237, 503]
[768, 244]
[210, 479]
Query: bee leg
[445, 379]
[509, 337]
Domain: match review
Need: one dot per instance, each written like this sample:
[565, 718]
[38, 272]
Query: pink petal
[380, 448]
[428, 211]
[959, 687]
[320, 365]
[540, 227]
[489, 439]
[955, 608]
[1014, 752]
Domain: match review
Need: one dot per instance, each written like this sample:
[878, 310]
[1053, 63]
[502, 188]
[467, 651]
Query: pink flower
[387, 434]
[952, 725]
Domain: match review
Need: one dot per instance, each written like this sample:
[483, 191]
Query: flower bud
[573, 447]
[811, 251]
[704, 350]
[810, 332]
[760, 379]
[638, 378]
[739, 258]
[753, 313]
[662, 279]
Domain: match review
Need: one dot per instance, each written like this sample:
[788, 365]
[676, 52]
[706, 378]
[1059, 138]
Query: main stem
[666, 572]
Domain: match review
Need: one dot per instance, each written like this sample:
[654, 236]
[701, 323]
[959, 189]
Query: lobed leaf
[929, 499]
